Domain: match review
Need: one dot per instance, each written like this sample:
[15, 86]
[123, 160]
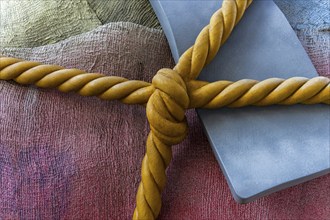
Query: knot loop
[166, 107]
[171, 83]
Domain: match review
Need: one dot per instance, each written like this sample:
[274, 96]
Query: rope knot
[166, 107]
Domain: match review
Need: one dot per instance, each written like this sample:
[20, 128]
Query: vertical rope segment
[166, 106]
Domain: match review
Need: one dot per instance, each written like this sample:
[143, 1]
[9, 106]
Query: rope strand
[167, 105]
[74, 80]
[296, 90]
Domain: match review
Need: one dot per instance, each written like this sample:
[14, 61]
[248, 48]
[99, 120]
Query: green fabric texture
[32, 23]
[136, 11]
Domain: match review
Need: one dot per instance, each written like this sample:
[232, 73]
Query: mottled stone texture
[311, 21]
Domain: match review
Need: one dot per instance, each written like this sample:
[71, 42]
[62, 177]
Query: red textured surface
[68, 157]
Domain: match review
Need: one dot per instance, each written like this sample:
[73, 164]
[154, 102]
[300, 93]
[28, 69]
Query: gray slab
[260, 149]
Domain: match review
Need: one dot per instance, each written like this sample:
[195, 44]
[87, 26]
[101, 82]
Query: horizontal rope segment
[273, 91]
[75, 80]
[202, 94]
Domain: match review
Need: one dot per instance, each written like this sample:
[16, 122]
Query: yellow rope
[202, 94]
[74, 80]
[171, 92]
[251, 92]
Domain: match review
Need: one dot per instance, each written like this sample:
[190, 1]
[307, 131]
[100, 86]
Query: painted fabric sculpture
[171, 92]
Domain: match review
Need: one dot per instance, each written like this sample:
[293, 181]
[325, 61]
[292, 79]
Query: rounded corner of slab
[241, 199]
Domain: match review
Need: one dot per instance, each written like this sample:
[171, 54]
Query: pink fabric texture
[63, 156]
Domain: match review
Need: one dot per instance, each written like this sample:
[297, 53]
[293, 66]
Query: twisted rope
[171, 92]
[202, 94]
[252, 92]
[75, 80]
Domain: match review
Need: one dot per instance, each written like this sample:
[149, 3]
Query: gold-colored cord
[171, 93]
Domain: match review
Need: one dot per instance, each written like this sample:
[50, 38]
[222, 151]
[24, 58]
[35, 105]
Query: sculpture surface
[171, 93]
